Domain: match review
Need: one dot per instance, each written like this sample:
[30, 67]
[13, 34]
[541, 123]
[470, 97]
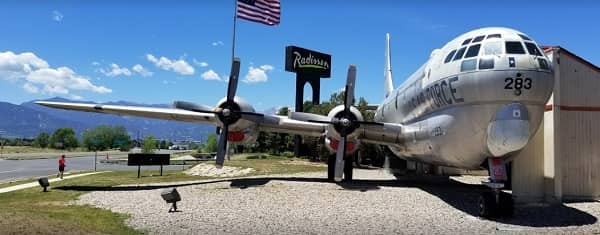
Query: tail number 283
[517, 83]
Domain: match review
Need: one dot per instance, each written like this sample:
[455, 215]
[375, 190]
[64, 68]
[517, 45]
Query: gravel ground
[377, 203]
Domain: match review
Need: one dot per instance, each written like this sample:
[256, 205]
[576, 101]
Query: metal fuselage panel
[446, 113]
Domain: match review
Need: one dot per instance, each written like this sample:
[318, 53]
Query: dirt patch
[204, 169]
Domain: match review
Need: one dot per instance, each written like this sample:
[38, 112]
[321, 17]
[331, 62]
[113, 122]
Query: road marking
[8, 171]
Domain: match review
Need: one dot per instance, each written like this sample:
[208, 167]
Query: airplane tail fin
[388, 85]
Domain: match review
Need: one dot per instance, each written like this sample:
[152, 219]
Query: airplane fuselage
[460, 110]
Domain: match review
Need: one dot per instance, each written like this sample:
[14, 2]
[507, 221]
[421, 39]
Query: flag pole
[234, 23]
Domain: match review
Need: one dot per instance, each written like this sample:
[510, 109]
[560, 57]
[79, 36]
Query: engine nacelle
[338, 116]
[338, 112]
[242, 131]
[352, 145]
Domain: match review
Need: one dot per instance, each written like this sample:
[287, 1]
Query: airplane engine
[343, 122]
[242, 130]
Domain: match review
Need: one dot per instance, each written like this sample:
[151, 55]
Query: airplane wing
[149, 112]
[269, 123]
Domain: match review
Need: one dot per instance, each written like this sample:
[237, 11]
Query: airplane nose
[509, 131]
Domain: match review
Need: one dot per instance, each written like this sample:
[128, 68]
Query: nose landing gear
[496, 203]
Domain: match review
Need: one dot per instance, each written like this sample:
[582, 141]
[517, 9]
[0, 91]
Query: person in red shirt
[61, 166]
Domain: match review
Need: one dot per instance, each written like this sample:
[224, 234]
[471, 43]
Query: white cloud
[31, 88]
[57, 16]
[115, 70]
[202, 64]
[258, 74]
[13, 66]
[141, 70]
[179, 66]
[210, 75]
[40, 77]
[217, 43]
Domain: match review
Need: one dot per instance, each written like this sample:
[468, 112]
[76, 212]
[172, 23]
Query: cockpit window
[449, 56]
[492, 48]
[466, 41]
[460, 53]
[532, 49]
[514, 48]
[497, 35]
[524, 37]
[478, 38]
[473, 51]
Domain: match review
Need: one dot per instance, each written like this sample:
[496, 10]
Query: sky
[156, 52]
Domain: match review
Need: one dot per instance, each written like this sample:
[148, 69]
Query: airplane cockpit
[497, 51]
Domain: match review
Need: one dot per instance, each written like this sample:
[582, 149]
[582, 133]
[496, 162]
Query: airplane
[476, 101]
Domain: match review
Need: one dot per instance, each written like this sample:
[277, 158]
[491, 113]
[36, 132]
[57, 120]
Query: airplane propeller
[228, 112]
[344, 122]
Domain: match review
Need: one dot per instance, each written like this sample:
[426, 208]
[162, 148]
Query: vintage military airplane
[479, 98]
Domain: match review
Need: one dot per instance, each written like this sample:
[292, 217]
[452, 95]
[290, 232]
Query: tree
[121, 138]
[149, 144]
[163, 144]
[211, 143]
[41, 140]
[283, 111]
[64, 138]
[106, 137]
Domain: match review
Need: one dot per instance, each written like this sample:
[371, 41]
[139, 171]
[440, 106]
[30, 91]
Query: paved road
[21, 169]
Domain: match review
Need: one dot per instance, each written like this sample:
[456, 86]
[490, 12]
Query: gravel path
[377, 203]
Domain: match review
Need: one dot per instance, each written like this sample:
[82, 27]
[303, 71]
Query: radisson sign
[304, 61]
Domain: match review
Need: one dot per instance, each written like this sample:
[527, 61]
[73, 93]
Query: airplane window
[533, 50]
[514, 48]
[449, 57]
[543, 63]
[459, 53]
[487, 63]
[524, 37]
[492, 48]
[468, 65]
[466, 42]
[497, 35]
[473, 51]
[478, 39]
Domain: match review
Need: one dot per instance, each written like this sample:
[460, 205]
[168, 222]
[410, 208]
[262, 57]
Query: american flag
[260, 11]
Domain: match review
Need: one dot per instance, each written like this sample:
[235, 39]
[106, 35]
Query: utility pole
[1, 144]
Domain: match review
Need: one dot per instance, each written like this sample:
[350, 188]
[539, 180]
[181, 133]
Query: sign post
[309, 66]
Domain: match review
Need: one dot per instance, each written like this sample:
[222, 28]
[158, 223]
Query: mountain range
[28, 119]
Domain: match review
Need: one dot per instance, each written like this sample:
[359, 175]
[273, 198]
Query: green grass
[32, 212]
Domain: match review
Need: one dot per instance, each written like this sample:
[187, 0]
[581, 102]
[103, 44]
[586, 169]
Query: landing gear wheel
[506, 206]
[348, 165]
[331, 167]
[487, 205]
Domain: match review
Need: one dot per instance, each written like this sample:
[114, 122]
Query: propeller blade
[350, 87]
[193, 107]
[233, 79]
[309, 117]
[370, 123]
[222, 147]
[339, 160]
